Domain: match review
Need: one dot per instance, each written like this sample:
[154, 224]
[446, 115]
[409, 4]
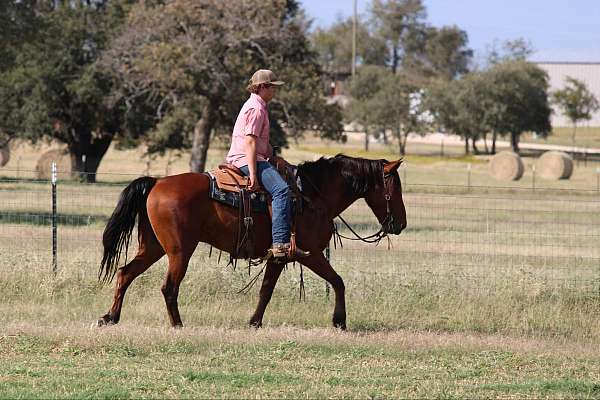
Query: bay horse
[175, 213]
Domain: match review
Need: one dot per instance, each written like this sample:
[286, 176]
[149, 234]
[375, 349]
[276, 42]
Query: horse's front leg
[319, 265]
[272, 272]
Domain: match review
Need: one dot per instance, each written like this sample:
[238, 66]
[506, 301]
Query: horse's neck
[335, 200]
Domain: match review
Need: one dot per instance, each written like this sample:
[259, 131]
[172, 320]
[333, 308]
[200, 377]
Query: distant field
[584, 137]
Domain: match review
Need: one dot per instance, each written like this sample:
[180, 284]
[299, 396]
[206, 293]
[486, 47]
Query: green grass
[129, 362]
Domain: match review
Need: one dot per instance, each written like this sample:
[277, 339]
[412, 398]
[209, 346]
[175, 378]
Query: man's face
[268, 92]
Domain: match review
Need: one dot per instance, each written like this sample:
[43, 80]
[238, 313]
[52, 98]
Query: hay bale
[554, 165]
[43, 167]
[4, 156]
[507, 166]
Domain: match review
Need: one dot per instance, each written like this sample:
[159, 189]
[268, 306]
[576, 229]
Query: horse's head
[386, 200]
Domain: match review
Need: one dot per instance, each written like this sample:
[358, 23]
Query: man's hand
[253, 184]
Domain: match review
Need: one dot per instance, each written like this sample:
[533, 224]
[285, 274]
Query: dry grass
[485, 282]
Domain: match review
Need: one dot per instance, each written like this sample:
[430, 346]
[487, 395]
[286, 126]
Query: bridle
[387, 221]
[376, 237]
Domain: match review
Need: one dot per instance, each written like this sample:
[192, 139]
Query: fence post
[469, 176]
[328, 257]
[54, 241]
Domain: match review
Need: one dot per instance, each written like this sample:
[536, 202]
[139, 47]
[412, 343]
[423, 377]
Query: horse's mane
[361, 174]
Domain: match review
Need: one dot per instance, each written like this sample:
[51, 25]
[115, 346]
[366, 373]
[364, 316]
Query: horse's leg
[320, 266]
[149, 252]
[178, 263]
[272, 272]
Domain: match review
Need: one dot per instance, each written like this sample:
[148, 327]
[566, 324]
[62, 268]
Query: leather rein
[380, 234]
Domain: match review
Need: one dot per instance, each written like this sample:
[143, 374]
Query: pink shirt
[253, 119]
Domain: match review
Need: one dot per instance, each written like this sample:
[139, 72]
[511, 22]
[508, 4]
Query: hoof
[255, 324]
[340, 325]
[103, 321]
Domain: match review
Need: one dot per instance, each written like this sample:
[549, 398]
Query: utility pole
[354, 41]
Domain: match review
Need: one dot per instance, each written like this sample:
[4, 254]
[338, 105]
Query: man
[250, 151]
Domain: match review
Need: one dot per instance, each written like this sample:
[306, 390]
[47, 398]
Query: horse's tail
[117, 233]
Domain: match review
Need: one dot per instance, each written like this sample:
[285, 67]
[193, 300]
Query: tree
[517, 100]
[459, 106]
[510, 50]
[400, 23]
[576, 101]
[446, 54]
[53, 89]
[17, 25]
[193, 57]
[334, 46]
[381, 100]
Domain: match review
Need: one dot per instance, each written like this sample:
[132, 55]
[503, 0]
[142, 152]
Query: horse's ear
[392, 166]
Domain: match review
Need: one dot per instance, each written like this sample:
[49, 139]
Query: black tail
[117, 233]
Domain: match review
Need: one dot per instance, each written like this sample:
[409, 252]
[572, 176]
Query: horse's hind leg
[320, 266]
[178, 263]
[149, 252]
[272, 272]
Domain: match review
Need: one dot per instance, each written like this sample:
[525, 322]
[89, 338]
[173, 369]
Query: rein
[373, 238]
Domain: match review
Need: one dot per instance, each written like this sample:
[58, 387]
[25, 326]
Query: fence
[468, 238]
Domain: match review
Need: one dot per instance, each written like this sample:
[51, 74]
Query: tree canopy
[576, 102]
[53, 89]
[507, 99]
[193, 59]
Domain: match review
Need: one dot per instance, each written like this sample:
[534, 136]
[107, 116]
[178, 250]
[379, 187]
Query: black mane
[360, 173]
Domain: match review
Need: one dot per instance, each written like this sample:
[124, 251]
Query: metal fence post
[328, 257]
[469, 175]
[54, 241]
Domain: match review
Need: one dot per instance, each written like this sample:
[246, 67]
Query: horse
[175, 213]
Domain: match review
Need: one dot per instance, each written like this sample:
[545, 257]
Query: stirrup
[284, 253]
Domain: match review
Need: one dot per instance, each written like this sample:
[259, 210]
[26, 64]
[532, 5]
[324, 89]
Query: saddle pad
[258, 200]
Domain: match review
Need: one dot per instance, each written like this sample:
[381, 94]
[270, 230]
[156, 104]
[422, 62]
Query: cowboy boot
[285, 252]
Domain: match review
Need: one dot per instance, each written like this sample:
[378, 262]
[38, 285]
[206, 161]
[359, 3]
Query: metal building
[587, 72]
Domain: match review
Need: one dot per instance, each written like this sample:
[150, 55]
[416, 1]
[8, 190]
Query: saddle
[230, 178]
[229, 186]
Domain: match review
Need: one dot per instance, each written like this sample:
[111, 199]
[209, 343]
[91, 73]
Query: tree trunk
[475, 149]
[366, 139]
[384, 136]
[514, 142]
[86, 153]
[467, 145]
[395, 59]
[485, 145]
[574, 133]
[201, 142]
[494, 136]
[401, 141]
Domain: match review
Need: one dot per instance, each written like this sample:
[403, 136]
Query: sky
[559, 30]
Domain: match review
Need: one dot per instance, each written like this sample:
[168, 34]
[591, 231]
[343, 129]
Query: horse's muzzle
[394, 227]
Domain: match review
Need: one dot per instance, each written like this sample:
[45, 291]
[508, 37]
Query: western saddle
[231, 180]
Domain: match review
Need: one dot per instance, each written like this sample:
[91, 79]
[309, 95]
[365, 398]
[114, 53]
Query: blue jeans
[273, 183]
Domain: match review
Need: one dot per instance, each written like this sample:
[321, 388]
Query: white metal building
[587, 72]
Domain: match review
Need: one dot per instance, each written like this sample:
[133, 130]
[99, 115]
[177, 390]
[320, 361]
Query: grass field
[490, 292]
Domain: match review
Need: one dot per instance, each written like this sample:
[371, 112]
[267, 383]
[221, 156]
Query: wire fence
[467, 238]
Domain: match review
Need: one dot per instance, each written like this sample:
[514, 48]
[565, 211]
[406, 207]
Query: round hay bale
[43, 167]
[4, 156]
[507, 166]
[554, 165]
